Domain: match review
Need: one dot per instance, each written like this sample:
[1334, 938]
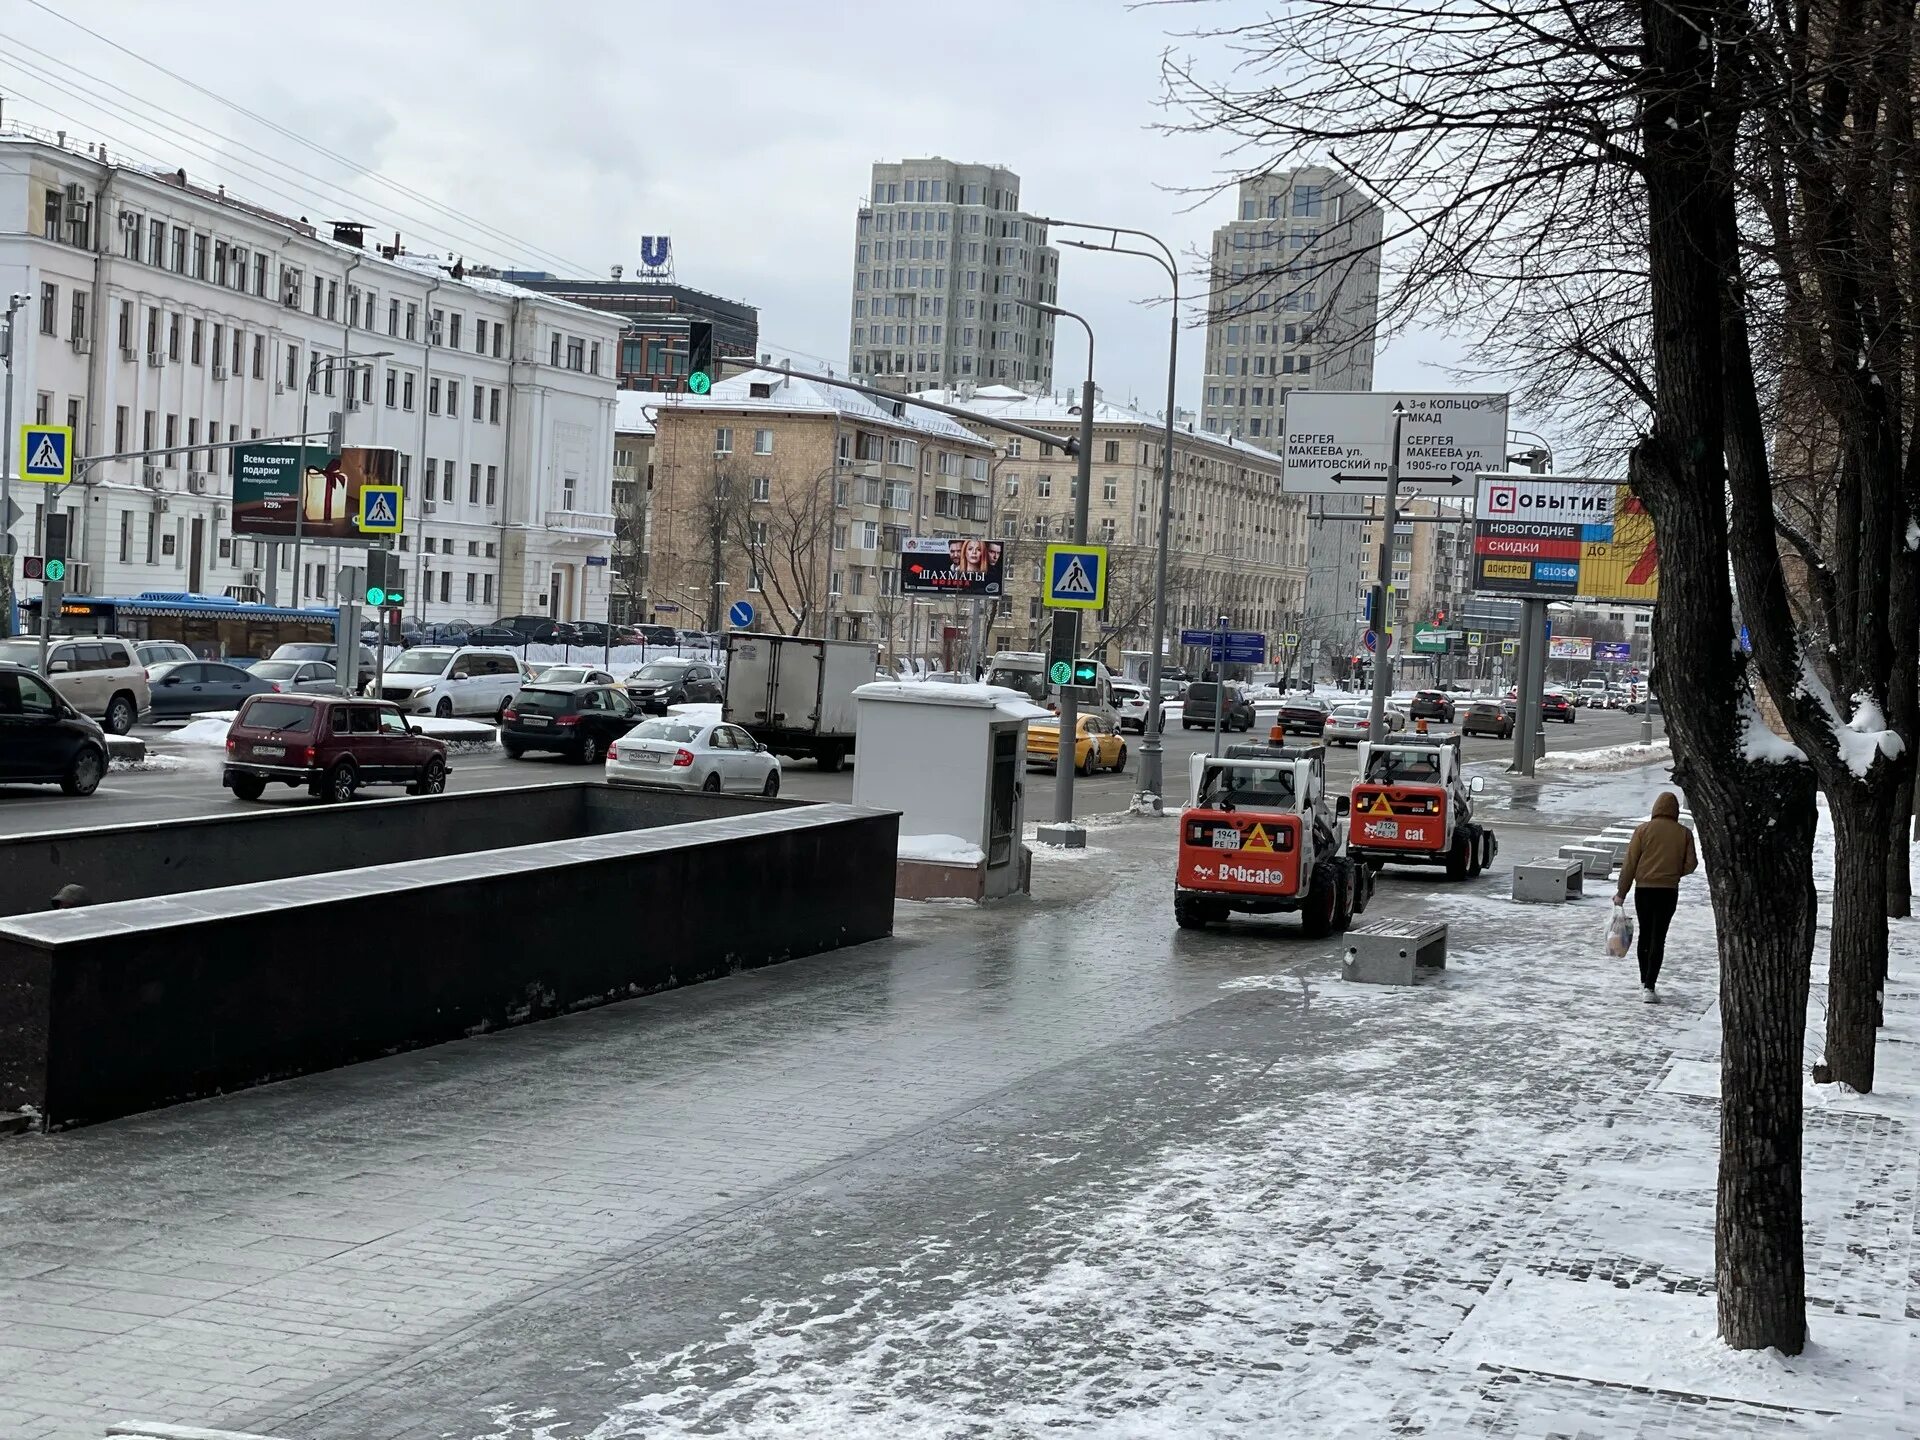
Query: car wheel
[121, 713]
[84, 771]
[433, 778]
[772, 787]
[711, 784]
[1090, 764]
[514, 752]
[589, 750]
[340, 783]
[445, 708]
[248, 787]
[1120, 761]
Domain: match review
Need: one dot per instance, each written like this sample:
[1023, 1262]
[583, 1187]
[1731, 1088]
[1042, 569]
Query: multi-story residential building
[795, 496]
[167, 316]
[946, 268]
[1293, 306]
[633, 436]
[655, 316]
[1238, 545]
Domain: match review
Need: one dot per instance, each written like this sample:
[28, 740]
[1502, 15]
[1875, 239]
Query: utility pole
[1063, 831]
[15, 303]
[1530, 730]
[1382, 619]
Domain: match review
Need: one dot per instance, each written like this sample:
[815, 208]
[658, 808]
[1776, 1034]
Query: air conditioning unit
[219, 371]
[150, 476]
[279, 387]
[250, 578]
[129, 220]
[129, 352]
[219, 512]
[196, 483]
[81, 344]
[76, 193]
[156, 358]
[433, 506]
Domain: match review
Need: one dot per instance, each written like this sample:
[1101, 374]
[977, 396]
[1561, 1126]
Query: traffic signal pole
[1069, 694]
[1383, 620]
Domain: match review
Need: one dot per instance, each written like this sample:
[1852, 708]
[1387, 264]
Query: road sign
[1507, 647]
[1746, 640]
[1061, 672]
[740, 614]
[46, 453]
[594, 561]
[1336, 441]
[1373, 642]
[1202, 638]
[1555, 539]
[381, 510]
[699, 382]
[32, 567]
[1290, 640]
[1427, 640]
[1475, 637]
[1234, 647]
[1076, 577]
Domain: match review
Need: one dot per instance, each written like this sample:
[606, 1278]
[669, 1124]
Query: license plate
[1225, 838]
[1382, 830]
[269, 749]
[537, 721]
[645, 757]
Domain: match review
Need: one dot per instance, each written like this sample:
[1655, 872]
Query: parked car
[537, 628]
[332, 745]
[656, 634]
[181, 688]
[1300, 715]
[574, 675]
[1432, 705]
[573, 719]
[326, 655]
[95, 674]
[681, 753]
[1347, 724]
[306, 677]
[158, 652]
[44, 739]
[676, 681]
[495, 635]
[1555, 705]
[1096, 745]
[440, 680]
[1236, 711]
[1130, 703]
[1487, 717]
[590, 632]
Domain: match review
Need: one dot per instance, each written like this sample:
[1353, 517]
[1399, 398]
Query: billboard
[271, 487]
[1569, 647]
[951, 567]
[1618, 652]
[1336, 441]
[1553, 539]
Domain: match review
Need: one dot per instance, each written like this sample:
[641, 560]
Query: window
[473, 485]
[762, 488]
[1112, 451]
[156, 241]
[479, 403]
[49, 309]
[479, 340]
[553, 354]
[453, 394]
[446, 585]
[486, 589]
[569, 484]
[198, 350]
[497, 328]
[433, 397]
[393, 317]
[1110, 489]
[433, 474]
[453, 329]
[177, 253]
[473, 581]
[493, 481]
[576, 354]
[125, 335]
[763, 442]
[593, 359]
[121, 417]
[126, 536]
[173, 439]
[413, 321]
[1043, 486]
[723, 440]
[406, 393]
[757, 533]
[260, 274]
[293, 366]
[493, 406]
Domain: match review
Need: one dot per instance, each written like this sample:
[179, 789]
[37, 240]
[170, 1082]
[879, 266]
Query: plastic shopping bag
[1619, 933]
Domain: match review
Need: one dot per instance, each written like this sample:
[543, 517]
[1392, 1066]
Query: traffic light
[32, 567]
[1086, 672]
[386, 579]
[699, 357]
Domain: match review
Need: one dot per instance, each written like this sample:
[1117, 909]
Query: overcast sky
[745, 131]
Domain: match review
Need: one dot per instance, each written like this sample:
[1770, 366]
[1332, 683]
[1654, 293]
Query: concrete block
[1597, 862]
[1392, 952]
[127, 748]
[1066, 837]
[153, 1430]
[1548, 882]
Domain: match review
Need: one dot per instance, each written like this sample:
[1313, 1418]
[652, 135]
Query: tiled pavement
[1050, 1166]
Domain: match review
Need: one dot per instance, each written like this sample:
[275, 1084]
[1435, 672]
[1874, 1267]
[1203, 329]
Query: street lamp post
[15, 304]
[1152, 772]
[1063, 831]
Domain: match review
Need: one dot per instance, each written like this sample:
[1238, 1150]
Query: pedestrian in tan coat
[1659, 855]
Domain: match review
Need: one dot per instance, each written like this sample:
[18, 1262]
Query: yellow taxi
[1097, 746]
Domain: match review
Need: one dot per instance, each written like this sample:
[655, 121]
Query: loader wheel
[1477, 849]
[1317, 916]
[1190, 914]
[1459, 855]
[1345, 891]
[1362, 885]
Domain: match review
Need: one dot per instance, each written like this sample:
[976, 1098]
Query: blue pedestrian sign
[380, 510]
[1076, 577]
[46, 453]
[740, 614]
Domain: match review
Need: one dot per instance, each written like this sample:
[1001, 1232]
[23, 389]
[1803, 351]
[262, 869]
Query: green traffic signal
[699, 382]
[56, 571]
[376, 597]
[1086, 672]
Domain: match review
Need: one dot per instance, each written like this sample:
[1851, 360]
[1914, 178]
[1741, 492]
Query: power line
[339, 159]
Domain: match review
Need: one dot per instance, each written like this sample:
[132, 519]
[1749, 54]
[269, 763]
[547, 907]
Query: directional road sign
[1201, 638]
[381, 509]
[46, 453]
[1076, 577]
[1337, 441]
[1235, 647]
[740, 614]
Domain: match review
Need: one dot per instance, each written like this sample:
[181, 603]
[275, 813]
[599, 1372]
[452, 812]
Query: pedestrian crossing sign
[1077, 577]
[380, 509]
[46, 453]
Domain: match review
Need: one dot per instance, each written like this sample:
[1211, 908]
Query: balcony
[581, 522]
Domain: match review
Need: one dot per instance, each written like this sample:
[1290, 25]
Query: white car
[445, 680]
[1347, 725]
[685, 753]
[1130, 703]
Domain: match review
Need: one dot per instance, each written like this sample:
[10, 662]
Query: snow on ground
[706, 714]
[940, 850]
[210, 729]
[1609, 757]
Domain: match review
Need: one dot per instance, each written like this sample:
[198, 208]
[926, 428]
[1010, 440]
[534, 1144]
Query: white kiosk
[952, 759]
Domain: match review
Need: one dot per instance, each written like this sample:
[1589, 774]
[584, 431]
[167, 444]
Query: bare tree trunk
[1903, 715]
[1857, 954]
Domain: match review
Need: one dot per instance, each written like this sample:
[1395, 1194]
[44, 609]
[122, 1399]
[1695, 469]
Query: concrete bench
[1612, 842]
[1548, 882]
[1596, 861]
[1391, 952]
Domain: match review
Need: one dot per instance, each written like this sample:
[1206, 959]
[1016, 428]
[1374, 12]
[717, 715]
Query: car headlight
[424, 690]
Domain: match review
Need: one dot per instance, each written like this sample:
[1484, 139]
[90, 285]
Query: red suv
[332, 745]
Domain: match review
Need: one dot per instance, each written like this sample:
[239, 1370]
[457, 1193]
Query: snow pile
[1758, 742]
[1609, 757]
[940, 850]
[208, 729]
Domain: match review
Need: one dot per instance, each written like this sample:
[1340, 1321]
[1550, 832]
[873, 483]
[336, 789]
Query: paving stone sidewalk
[1051, 1167]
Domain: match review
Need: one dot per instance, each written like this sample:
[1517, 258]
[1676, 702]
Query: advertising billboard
[1569, 647]
[951, 567]
[271, 487]
[1549, 538]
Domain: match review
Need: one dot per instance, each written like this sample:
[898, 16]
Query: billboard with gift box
[280, 491]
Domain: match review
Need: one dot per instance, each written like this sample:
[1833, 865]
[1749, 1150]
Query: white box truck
[794, 693]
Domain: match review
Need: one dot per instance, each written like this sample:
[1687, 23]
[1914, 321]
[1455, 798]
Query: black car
[43, 739]
[1432, 705]
[1488, 717]
[1556, 706]
[1236, 711]
[577, 720]
[679, 681]
[537, 628]
[1303, 715]
[588, 632]
[491, 635]
[189, 687]
[657, 634]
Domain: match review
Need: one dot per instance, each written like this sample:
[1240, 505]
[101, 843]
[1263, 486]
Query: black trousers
[1654, 909]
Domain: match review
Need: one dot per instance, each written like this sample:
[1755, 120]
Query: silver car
[304, 677]
[681, 753]
[1347, 725]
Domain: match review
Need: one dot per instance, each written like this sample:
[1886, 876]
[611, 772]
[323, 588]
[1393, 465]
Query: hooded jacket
[1661, 850]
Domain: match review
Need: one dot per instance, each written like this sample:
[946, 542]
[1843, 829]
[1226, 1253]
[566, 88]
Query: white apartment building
[164, 314]
[946, 269]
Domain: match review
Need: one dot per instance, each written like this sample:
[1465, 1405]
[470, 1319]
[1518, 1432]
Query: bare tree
[787, 540]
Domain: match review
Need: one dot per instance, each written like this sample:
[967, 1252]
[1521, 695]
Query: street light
[1063, 831]
[1151, 760]
[15, 304]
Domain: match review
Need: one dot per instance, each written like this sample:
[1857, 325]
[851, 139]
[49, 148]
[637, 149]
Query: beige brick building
[1238, 548]
[795, 497]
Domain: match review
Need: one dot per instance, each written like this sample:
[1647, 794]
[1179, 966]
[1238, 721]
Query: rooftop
[798, 395]
[1007, 402]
